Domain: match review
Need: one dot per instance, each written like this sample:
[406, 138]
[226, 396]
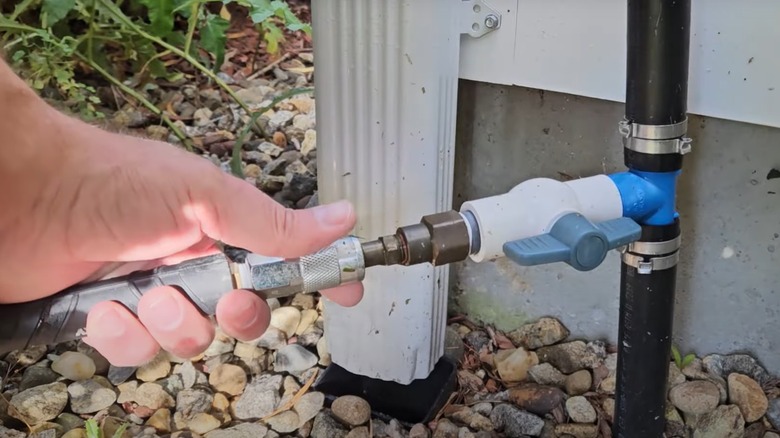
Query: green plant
[680, 361]
[129, 42]
[94, 430]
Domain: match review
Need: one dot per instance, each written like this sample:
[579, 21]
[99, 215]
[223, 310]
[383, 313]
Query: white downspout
[386, 87]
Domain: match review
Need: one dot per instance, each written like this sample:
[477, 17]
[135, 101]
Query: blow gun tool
[484, 229]
[439, 238]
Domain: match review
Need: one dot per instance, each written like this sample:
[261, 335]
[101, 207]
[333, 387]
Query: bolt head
[491, 21]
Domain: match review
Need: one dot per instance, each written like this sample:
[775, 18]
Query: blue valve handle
[574, 240]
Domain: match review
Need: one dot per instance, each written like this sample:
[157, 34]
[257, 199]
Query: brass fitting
[439, 239]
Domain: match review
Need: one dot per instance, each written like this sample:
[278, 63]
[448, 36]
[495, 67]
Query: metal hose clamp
[647, 257]
[656, 139]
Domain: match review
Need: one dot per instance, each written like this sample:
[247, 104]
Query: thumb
[240, 215]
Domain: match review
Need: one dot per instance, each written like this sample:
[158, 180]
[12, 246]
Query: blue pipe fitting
[648, 197]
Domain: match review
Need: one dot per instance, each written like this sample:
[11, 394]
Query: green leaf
[213, 38]
[160, 15]
[121, 431]
[52, 11]
[261, 10]
[93, 430]
[273, 35]
[676, 356]
[688, 359]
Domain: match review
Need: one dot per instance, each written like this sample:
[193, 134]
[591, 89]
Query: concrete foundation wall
[727, 296]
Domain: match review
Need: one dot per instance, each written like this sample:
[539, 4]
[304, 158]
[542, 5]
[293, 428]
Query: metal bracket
[654, 248]
[656, 139]
[645, 267]
[478, 18]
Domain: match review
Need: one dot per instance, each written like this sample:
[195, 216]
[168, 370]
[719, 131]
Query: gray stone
[36, 376]
[299, 186]
[546, 374]
[695, 397]
[90, 396]
[419, 431]
[309, 405]
[773, 413]
[570, 356]
[514, 422]
[483, 408]
[260, 397]
[118, 375]
[254, 96]
[194, 401]
[39, 404]
[310, 337]
[69, 421]
[361, 432]
[580, 410]
[242, 430]
[724, 422]
[172, 384]
[446, 429]
[736, 363]
[284, 422]
[453, 345]
[476, 339]
[351, 410]
[202, 117]
[270, 149]
[280, 119]
[468, 417]
[546, 331]
[11, 433]
[276, 167]
[294, 359]
[393, 430]
[325, 426]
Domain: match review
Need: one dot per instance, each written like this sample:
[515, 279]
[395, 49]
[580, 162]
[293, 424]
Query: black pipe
[645, 333]
[657, 73]
[657, 69]
[656, 94]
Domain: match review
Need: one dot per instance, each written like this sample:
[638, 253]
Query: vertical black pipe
[656, 94]
[645, 334]
[657, 68]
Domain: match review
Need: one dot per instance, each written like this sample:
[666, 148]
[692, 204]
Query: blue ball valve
[575, 240]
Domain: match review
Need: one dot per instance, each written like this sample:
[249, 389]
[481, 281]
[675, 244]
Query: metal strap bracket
[654, 248]
[478, 18]
[656, 139]
[654, 264]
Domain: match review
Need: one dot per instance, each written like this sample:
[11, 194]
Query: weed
[94, 430]
[680, 361]
[50, 41]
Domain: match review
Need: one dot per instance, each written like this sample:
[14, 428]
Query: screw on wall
[478, 18]
[491, 21]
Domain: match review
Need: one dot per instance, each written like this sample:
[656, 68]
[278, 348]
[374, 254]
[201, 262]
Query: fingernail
[165, 313]
[332, 214]
[109, 324]
[247, 316]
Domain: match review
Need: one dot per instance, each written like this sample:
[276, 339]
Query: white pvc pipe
[386, 85]
[533, 206]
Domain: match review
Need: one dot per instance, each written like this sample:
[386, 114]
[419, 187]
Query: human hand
[114, 204]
